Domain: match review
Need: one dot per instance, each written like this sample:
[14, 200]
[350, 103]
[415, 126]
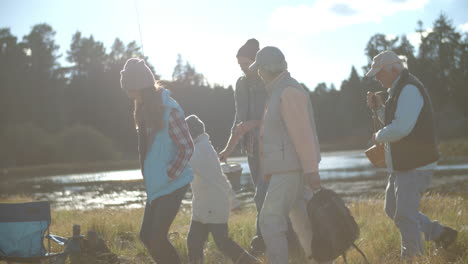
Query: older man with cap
[290, 155]
[411, 152]
[250, 98]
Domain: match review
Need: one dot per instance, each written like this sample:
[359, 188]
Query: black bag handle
[360, 252]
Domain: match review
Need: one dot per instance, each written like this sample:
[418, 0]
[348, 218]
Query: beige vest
[278, 153]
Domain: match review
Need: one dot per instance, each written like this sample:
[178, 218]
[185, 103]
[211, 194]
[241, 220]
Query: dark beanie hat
[249, 49]
[136, 75]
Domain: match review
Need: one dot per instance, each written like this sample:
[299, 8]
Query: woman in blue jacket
[165, 148]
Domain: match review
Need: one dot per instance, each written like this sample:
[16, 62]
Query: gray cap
[270, 58]
[383, 59]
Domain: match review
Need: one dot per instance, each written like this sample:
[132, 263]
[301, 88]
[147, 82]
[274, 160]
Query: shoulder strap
[360, 252]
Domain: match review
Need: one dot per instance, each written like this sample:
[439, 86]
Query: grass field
[454, 147]
[379, 239]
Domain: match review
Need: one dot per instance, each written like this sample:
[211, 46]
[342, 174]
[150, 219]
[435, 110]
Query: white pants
[286, 195]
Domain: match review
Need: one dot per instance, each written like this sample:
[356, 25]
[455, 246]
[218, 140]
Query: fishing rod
[139, 27]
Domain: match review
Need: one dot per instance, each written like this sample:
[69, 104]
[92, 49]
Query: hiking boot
[257, 246]
[446, 238]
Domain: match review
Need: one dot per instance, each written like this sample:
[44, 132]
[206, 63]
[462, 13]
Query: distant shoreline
[100, 166]
[453, 151]
[69, 168]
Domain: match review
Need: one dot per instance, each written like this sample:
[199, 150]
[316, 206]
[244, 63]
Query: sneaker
[446, 238]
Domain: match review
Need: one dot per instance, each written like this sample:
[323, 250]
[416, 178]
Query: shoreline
[78, 168]
[118, 165]
[68, 168]
[130, 193]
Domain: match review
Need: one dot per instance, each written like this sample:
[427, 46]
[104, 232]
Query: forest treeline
[50, 113]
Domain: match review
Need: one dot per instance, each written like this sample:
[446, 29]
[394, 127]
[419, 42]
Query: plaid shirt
[179, 132]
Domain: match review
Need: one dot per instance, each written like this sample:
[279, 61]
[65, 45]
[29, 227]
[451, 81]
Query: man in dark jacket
[250, 97]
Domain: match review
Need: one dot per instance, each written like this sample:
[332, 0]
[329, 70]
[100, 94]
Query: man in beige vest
[289, 154]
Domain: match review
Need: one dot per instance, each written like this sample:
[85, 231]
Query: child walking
[212, 197]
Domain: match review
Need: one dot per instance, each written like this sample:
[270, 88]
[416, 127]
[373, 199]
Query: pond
[347, 172]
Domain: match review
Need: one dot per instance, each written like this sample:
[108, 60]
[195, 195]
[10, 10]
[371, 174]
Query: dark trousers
[157, 219]
[198, 234]
[261, 186]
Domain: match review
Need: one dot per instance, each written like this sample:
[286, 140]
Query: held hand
[244, 127]
[374, 100]
[313, 180]
[251, 124]
[223, 155]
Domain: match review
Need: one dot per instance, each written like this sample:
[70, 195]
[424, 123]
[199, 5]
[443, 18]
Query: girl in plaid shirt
[165, 148]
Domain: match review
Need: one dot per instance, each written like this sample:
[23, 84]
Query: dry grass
[454, 147]
[379, 238]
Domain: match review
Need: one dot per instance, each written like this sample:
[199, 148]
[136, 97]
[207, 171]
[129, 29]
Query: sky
[321, 39]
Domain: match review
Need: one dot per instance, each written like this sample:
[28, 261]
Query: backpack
[333, 227]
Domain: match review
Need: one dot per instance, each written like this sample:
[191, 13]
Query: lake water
[347, 172]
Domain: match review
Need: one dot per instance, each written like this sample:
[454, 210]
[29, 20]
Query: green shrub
[25, 144]
[84, 144]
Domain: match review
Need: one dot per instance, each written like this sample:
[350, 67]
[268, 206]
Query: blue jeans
[402, 198]
[198, 234]
[157, 219]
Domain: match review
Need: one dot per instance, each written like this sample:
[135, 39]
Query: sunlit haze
[321, 39]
